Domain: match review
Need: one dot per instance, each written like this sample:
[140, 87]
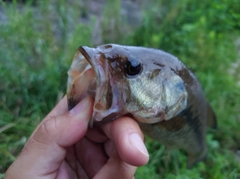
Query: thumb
[45, 151]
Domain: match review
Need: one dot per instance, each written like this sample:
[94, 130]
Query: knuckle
[47, 130]
[50, 126]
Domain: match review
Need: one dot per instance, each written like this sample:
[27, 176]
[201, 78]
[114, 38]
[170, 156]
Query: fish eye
[133, 67]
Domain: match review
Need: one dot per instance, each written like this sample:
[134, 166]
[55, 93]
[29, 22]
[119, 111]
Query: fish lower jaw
[99, 115]
[149, 121]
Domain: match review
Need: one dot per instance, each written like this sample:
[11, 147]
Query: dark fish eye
[133, 67]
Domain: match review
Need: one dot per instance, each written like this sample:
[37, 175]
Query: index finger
[128, 138]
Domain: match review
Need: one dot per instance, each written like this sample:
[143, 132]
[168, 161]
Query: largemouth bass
[152, 86]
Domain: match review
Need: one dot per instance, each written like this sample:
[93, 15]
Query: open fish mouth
[89, 75]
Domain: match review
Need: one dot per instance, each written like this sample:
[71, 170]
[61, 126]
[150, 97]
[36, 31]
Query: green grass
[36, 51]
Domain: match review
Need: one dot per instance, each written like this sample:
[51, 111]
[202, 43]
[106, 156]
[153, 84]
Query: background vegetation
[38, 41]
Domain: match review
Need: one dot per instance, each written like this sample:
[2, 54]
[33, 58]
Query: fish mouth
[101, 86]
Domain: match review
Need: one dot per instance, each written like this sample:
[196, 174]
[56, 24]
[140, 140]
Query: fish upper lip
[84, 52]
[93, 56]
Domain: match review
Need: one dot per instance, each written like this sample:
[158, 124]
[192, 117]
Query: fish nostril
[107, 46]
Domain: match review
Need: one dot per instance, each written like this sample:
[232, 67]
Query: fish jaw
[107, 105]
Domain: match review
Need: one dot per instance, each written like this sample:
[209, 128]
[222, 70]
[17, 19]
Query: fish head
[131, 80]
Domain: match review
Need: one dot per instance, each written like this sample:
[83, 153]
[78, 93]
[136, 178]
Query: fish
[152, 86]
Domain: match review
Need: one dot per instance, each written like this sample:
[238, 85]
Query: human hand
[63, 147]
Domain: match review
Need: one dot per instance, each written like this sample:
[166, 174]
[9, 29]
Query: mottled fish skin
[186, 130]
[163, 96]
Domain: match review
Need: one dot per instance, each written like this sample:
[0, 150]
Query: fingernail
[81, 106]
[137, 142]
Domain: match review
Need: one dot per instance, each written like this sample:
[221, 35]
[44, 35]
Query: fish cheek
[145, 98]
[174, 96]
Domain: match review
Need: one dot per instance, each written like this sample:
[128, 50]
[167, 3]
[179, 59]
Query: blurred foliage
[36, 49]
[111, 24]
[37, 44]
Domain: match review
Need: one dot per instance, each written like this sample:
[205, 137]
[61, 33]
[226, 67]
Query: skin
[62, 147]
